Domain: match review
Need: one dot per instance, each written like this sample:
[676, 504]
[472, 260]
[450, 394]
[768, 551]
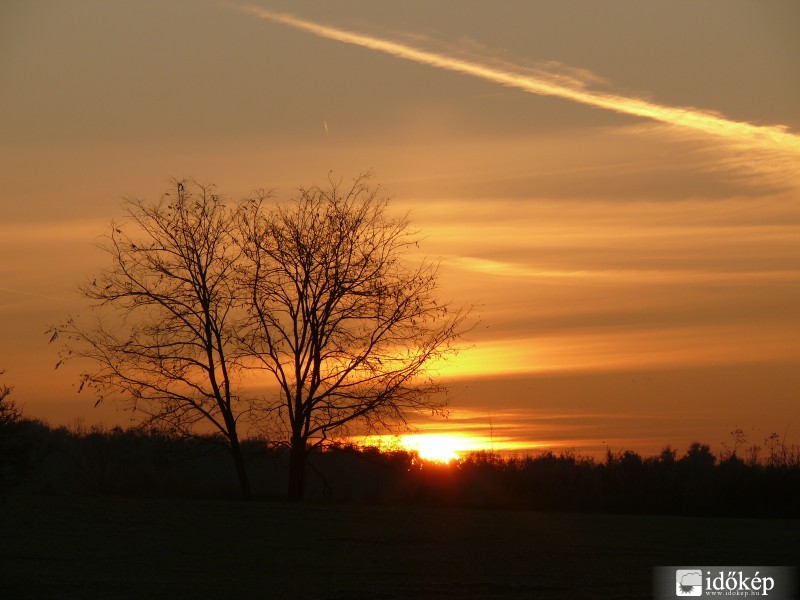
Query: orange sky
[615, 185]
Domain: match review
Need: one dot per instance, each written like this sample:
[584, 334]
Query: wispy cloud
[775, 138]
[499, 268]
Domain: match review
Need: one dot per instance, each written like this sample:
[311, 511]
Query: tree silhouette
[342, 318]
[10, 413]
[321, 292]
[699, 456]
[167, 316]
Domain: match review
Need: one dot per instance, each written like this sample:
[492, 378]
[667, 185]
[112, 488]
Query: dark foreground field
[72, 547]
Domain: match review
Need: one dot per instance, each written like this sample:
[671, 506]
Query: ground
[73, 547]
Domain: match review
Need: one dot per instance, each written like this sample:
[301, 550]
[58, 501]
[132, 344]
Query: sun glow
[438, 446]
[435, 447]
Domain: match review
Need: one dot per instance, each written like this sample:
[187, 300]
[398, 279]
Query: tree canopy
[167, 316]
[343, 317]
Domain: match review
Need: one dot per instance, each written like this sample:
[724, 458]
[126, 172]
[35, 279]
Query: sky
[613, 184]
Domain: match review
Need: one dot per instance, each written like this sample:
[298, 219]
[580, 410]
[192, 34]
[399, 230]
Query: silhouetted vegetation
[15, 454]
[166, 318]
[318, 294]
[136, 462]
[9, 411]
[341, 317]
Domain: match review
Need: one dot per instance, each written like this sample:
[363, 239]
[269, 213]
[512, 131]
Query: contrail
[24, 293]
[774, 138]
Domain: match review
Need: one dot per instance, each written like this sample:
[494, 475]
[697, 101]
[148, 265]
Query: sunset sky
[614, 184]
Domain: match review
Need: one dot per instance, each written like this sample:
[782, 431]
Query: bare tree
[341, 318]
[168, 317]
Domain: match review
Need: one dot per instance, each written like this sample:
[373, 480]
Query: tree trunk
[241, 469]
[297, 469]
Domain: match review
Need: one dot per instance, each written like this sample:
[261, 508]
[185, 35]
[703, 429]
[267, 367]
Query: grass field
[76, 547]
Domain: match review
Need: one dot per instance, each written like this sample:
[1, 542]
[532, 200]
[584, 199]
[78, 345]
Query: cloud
[776, 140]
[763, 168]
[693, 578]
[690, 580]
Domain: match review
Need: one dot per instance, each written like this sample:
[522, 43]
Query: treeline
[36, 458]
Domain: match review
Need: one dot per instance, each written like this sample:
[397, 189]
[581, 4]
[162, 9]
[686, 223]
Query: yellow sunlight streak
[511, 270]
[754, 136]
[440, 446]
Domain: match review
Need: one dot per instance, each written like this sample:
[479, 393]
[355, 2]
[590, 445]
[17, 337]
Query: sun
[434, 447]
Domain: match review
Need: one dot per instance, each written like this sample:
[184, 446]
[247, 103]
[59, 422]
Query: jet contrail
[774, 138]
[24, 293]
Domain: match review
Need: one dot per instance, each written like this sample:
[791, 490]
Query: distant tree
[343, 318]
[10, 413]
[17, 455]
[699, 456]
[168, 316]
[667, 456]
